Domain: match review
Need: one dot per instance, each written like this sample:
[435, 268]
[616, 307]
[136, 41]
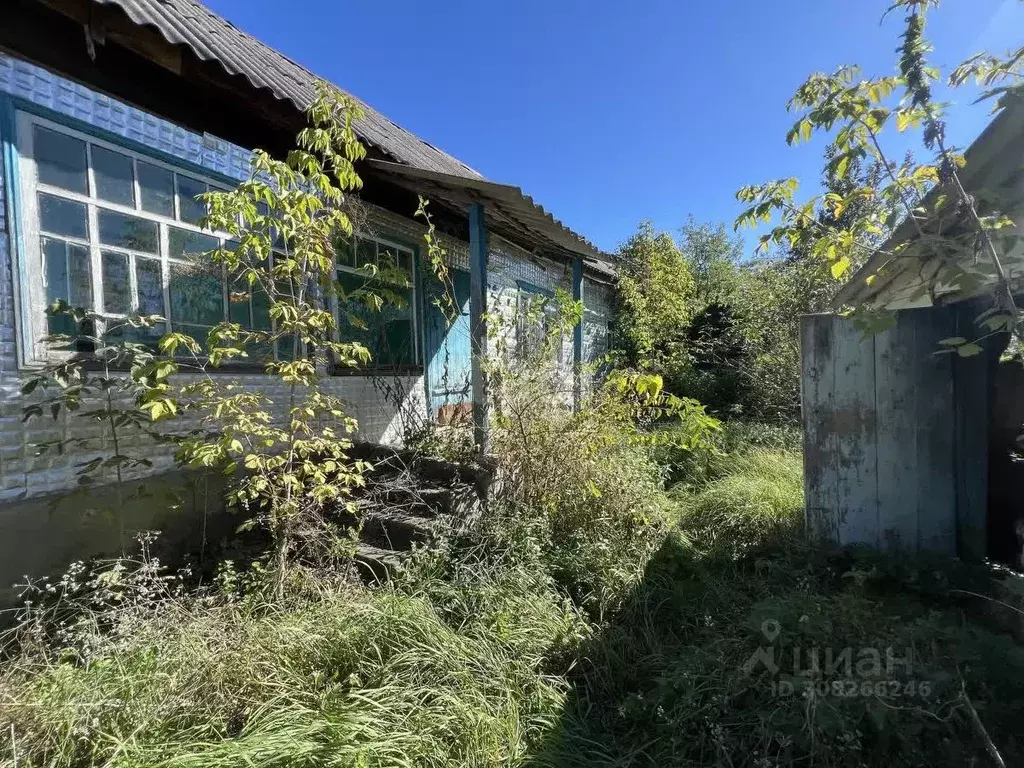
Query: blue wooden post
[477, 326]
[577, 334]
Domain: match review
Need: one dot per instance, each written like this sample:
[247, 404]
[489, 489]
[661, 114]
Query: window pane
[405, 262]
[68, 278]
[156, 188]
[55, 258]
[197, 300]
[387, 257]
[388, 332]
[150, 285]
[343, 252]
[239, 303]
[128, 231]
[366, 252]
[62, 217]
[60, 160]
[117, 290]
[185, 244]
[112, 172]
[261, 310]
[191, 210]
[80, 277]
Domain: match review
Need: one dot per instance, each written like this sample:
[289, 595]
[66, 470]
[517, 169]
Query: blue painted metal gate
[448, 348]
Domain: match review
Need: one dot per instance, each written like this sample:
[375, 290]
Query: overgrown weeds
[495, 648]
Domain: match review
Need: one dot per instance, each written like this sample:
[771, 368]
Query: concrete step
[376, 564]
[395, 530]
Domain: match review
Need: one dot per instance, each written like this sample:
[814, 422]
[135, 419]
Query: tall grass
[351, 678]
[759, 500]
[487, 651]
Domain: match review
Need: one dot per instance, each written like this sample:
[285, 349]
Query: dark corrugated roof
[212, 38]
[510, 213]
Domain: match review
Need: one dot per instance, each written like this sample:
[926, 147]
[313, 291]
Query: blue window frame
[110, 225]
[370, 265]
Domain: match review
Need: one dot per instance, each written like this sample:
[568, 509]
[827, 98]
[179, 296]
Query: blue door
[448, 351]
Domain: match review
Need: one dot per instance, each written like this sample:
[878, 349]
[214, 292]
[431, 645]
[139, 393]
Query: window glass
[117, 298]
[387, 257]
[387, 332]
[343, 252]
[55, 258]
[190, 210]
[126, 231]
[115, 180]
[197, 300]
[186, 244]
[62, 217]
[240, 303]
[79, 276]
[366, 252]
[150, 283]
[405, 262]
[156, 189]
[60, 160]
[67, 277]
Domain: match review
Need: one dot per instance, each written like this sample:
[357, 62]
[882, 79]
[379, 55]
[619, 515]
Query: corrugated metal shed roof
[213, 38]
[509, 212]
[908, 278]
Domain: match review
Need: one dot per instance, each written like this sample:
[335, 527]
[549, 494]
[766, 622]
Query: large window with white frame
[117, 232]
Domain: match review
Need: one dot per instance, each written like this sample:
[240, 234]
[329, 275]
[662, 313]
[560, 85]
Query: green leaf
[969, 350]
[842, 166]
[953, 341]
[839, 268]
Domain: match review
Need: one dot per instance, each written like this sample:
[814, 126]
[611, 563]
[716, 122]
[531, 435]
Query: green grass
[485, 655]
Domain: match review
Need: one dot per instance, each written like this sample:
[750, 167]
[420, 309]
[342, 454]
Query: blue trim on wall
[478, 251]
[16, 243]
[531, 288]
[24, 105]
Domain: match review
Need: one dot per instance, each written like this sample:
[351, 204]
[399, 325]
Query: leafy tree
[714, 259]
[961, 236]
[288, 457]
[656, 291]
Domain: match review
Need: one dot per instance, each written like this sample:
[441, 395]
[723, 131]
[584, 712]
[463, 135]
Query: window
[117, 232]
[536, 318]
[389, 332]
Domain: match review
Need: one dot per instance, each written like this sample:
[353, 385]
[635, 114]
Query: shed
[906, 446]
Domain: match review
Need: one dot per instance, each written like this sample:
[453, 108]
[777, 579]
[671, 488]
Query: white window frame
[414, 300]
[32, 311]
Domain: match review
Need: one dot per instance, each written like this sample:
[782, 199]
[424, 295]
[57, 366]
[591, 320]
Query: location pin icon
[770, 629]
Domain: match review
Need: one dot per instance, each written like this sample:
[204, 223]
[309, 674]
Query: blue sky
[609, 112]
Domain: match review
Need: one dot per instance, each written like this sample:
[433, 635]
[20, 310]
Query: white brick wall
[372, 401]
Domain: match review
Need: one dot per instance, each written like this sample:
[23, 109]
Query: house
[908, 445]
[114, 114]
